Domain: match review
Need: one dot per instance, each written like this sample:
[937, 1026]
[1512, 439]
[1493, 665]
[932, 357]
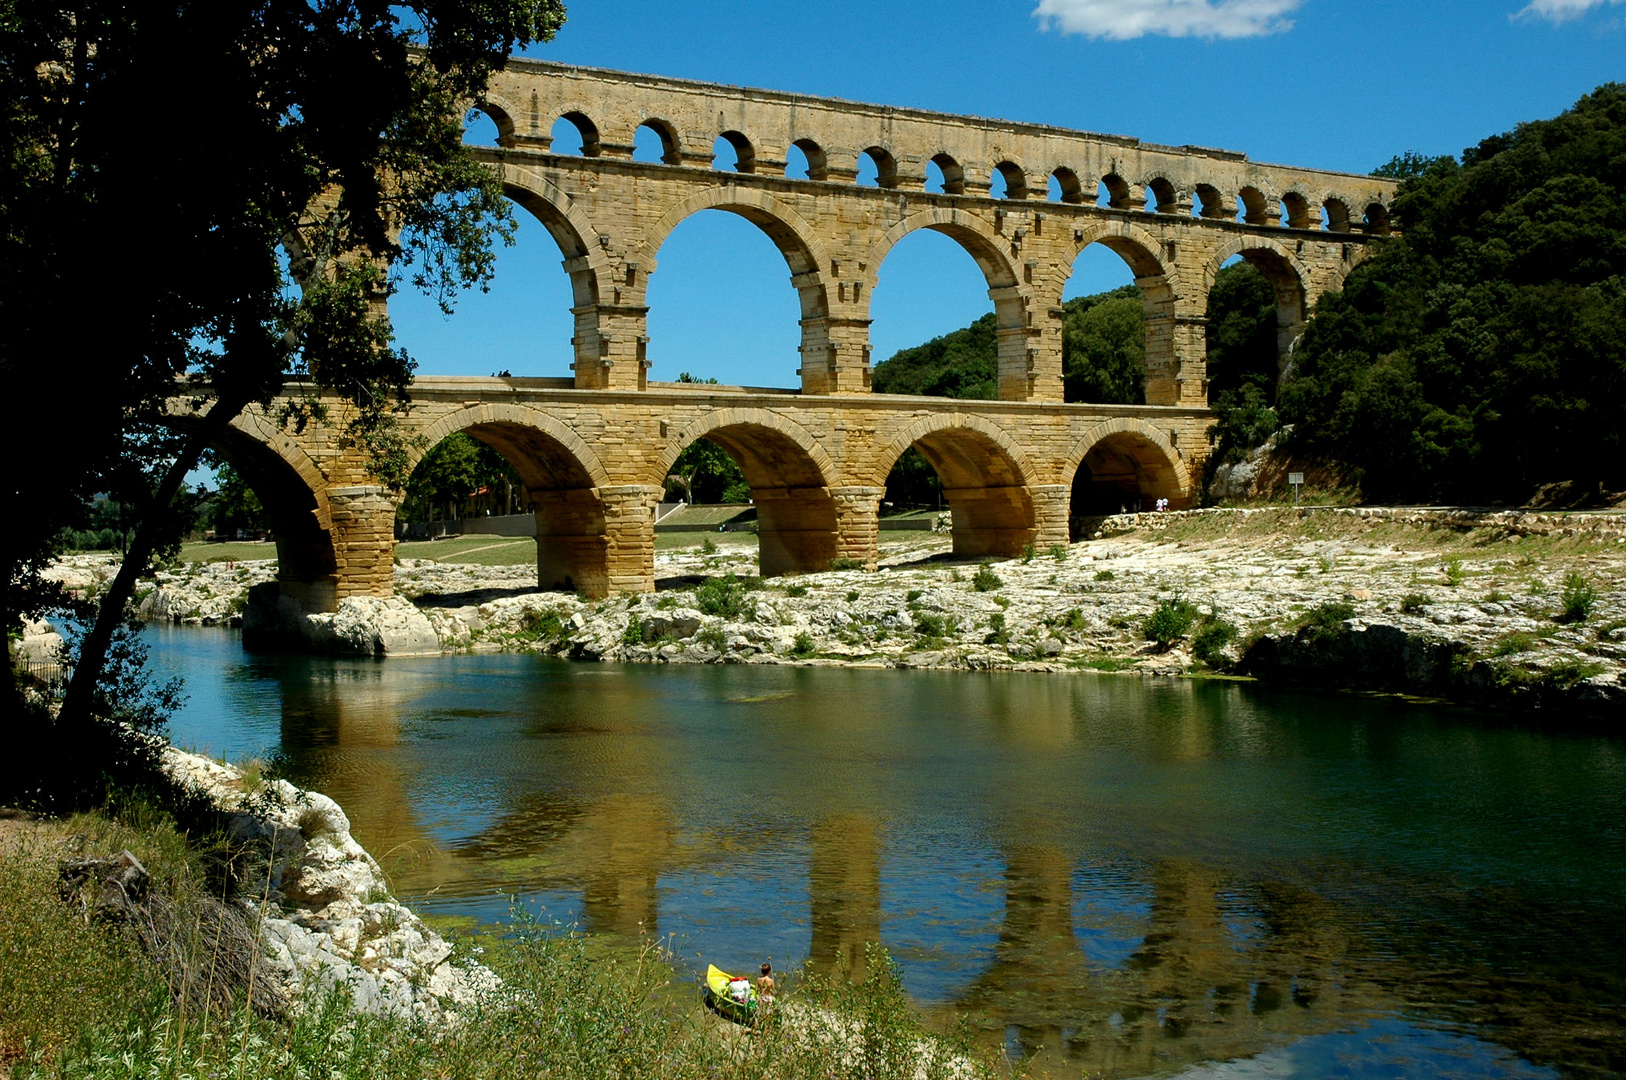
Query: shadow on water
[1119, 877]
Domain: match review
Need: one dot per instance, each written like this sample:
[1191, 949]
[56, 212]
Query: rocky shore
[326, 917]
[1495, 607]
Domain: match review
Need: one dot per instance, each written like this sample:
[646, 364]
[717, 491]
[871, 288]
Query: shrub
[1213, 635]
[997, 634]
[723, 597]
[1414, 603]
[708, 546]
[796, 591]
[852, 595]
[1169, 622]
[634, 633]
[1027, 554]
[1454, 573]
[1058, 552]
[846, 564]
[712, 637]
[912, 596]
[985, 580]
[1578, 599]
[1073, 620]
[1327, 618]
[537, 625]
[802, 645]
[1104, 575]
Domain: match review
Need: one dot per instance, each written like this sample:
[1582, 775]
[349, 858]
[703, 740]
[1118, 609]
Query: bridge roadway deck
[594, 463]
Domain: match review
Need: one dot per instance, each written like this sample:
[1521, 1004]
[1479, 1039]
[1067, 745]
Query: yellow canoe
[719, 997]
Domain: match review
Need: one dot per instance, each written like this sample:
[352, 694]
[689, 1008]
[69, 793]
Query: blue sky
[1334, 84]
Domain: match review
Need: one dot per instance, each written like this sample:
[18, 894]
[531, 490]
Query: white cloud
[1561, 10]
[1121, 20]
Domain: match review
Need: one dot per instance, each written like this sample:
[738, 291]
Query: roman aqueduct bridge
[594, 449]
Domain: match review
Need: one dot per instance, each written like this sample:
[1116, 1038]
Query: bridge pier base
[629, 528]
[1052, 505]
[796, 530]
[363, 545]
[597, 541]
[858, 523]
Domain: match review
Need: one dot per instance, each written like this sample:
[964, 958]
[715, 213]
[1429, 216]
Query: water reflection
[1123, 878]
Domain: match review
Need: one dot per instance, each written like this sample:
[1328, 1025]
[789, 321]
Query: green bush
[723, 597]
[1170, 621]
[1073, 620]
[1027, 554]
[1414, 603]
[802, 644]
[985, 580]
[1326, 619]
[852, 595]
[846, 564]
[1578, 599]
[1058, 552]
[1104, 575]
[708, 546]
[1213, 635]
[1454, 573]
[796, 591]
[634, 632]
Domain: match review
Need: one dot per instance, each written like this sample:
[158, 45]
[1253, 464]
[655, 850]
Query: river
[1124, 877]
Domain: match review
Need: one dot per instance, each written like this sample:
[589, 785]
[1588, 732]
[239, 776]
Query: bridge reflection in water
[1121, 878]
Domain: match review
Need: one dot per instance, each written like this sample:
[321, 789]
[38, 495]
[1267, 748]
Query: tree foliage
[1242, 360]
[453, 472]
[1481, 353]
[206, 191]
[961, 364]
[1103, 348]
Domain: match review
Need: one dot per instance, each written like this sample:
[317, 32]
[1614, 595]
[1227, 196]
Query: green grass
[472, 550]
[230, 551]
[79, 1000]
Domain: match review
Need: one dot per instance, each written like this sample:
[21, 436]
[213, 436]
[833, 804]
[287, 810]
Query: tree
[232, 189]
[451, 473]
[235, 506]
[1481, 353]
[1242, 361]
[1103, 348]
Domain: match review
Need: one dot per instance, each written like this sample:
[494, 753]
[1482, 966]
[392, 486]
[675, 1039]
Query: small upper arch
[1069, 188]
[886, 166]
[1164, 196]
[671, 149]
[1376, 220]
[953, 174]
[591, 144]
[1211, 202]
[1255, 206]
[1336, 212]
[1296, 210]
[1116, 192]
[745, 155]
[1014, 178]
[818, 163]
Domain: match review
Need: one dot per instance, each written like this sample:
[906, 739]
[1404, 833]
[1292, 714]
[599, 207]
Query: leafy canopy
[1481, 353]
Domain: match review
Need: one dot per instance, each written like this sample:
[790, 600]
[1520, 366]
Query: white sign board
[1295, 478]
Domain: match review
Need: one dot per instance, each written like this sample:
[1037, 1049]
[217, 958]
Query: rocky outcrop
[325, 914]
[363, 626]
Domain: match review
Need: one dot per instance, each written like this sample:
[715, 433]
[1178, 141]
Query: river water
[1123, 877]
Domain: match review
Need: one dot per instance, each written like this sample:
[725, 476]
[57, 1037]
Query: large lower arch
[294, 493]
[789, 474]
[1287, 277]
[1124, 464]
[990, 250]
[987, 480]
[576, 540]
[823, 345]
[1165, 351]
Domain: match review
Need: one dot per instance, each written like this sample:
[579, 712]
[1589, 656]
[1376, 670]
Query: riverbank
[1495, 608]
[263, 938]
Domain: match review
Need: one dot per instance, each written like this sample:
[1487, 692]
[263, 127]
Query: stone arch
[1071, 187]
[796, 240]
[1337, 211]
[789, 473]
[565, 481]
[586, 263]
[592, 146]
[818, 162]
[953, 174]
[294, 493]
[1119, 194]
[671, 140]
[1143, 253]
[991, 252]
[1376, 219]
[1297, 209]
[886, 166]
[1123, 463]
[1211, 203]
[1015, 177]
[987, 480]
[1255, 206]
[745, 154]
[1288, 278]
[1164, 195]
[499, 116]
